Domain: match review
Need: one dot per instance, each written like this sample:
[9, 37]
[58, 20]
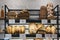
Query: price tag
[44, 21]
[38, 36]
[22, 36]
[47, 35]
[12, 21]
[59, 21]
[26, 31]
[8, 35]
[59, 26]
[59, 31]
[53, 21]
[54, 35]
[22, 20]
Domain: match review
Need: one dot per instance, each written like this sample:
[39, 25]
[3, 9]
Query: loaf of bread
[11, 15]
[22, 29]
[40, 26]
[24, 14]
[50, 13]
[48, 29]
[13, 29]
[9, 29]
[32, 28]
[53, 29]
[43, 12]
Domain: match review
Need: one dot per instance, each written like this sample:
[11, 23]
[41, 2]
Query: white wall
[29, 4]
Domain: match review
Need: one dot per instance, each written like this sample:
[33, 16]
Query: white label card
[53, 21]
[22, 20]
[12, 21]
[38, 36]
[47, 35]
[44, 21]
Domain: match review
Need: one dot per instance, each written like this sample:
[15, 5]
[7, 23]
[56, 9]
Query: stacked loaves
[15, 29]
[50, 11]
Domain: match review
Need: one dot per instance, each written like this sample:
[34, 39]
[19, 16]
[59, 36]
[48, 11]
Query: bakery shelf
[33, 20]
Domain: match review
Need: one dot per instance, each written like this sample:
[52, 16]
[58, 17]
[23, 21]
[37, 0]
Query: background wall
[29, 4]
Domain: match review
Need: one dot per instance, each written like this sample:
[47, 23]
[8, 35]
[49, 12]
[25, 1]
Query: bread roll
[22, 29]
[9, 29]
[32, 28]
[13, 29]
[53, 29]
[48, 29]
[40, 26]
[17, 29]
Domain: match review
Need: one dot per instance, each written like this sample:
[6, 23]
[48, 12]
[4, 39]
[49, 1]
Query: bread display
[41, 29]
[24, 14]
[11, 15]
[50, 11]
[15, 29]
[43, 12]
[33, 29]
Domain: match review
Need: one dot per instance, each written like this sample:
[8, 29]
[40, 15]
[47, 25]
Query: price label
[54, 35]
[44, 21]
[53, 21]
[22, 36]
[47, 35]
[11, 20]
[38, 36]
[22, 20]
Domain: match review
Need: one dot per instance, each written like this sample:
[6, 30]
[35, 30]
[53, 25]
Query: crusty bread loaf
[22, 29]
[9, 29]
[43, 12]
[11, 15]
[32, 28]
[53, 29]
[24, 14]
[48, 29]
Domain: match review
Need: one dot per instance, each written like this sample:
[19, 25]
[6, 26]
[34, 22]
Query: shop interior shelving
[43, 21]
